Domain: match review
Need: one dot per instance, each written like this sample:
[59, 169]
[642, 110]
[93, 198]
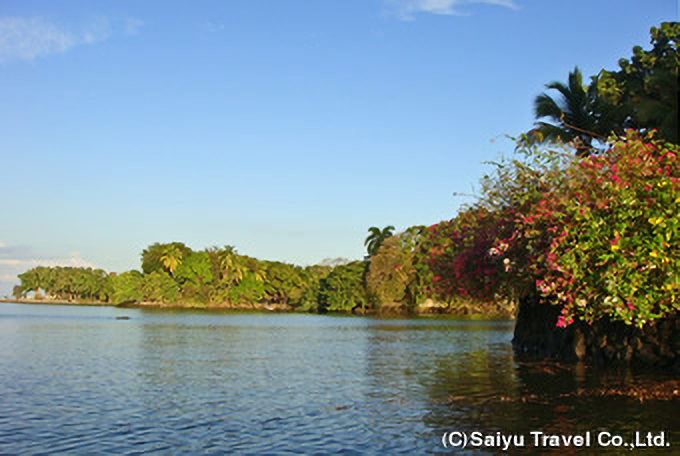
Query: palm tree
[376, 237]
[171, 258]
[259, 273]
[579, 115]
[152, 256]
[232, 266]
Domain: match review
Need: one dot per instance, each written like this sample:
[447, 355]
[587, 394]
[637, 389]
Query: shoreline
[55, 302]
[264, 308]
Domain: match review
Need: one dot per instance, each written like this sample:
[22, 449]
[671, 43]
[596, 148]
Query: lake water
[75, 380]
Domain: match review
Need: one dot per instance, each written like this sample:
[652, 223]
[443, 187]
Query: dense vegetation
[586, 213]
[174, 274]
[395, 279]
[599, 235]
[641, 95]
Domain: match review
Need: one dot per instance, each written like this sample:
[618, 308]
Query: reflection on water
[75, 379]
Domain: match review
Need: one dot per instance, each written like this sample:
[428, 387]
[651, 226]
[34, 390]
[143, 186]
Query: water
[76, 380]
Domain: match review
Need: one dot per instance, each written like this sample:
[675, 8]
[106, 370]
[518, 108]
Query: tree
[596, 235]
[164, 257]
[254, 267]
[578, 116]
[171, 258]
[68, 283]
[159, 287]
[127, 287]
[313, 277]
[646, 86]
[285, 283]
[249, 290]
[195, 269]
[35, 279]
[233, 269]
[343, 289]
[195, 276]
[390, 272]
[376, 237]
[17, 292]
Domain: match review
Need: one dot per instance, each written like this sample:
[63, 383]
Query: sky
[286, 128]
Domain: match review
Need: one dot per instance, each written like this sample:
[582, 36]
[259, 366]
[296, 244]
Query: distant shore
[55, 302]
[393, 311]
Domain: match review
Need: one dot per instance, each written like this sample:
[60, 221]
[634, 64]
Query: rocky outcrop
[431, 307]
[603, 342]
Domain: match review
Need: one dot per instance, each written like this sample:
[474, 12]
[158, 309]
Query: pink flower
[563, 321]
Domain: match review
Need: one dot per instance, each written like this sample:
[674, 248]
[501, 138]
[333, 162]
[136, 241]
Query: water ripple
[76, 381]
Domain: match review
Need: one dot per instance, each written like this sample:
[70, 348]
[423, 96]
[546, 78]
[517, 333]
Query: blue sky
[285, 128]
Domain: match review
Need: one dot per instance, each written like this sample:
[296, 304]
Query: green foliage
[67, 283]
[642, 94]
[390, 271]
[285, 283]
[314, 275]
[221, 277]
[615, 234]
[376, 237]
[35, 279]
[195, 278]
[645, 87]
[249, 290]
[164, 257]
[17, 292]
[195, 269]
[127, 287]
[416, 240]
[232, 267]
[596, 234]
[578, 116]
[159, 287]
[343, 289]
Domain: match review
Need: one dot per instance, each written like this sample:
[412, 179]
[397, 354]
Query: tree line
[393, 277]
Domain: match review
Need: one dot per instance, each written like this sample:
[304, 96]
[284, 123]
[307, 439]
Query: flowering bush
[599, 235]
[614, 244]
[483, 253]
[459, 254]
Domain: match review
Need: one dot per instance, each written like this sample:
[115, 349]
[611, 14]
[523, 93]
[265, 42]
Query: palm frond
[546, 106]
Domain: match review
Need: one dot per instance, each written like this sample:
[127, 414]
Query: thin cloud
[74, 260]
[29, 38]
[16, 260]
[132, 26]
[407, 9]
[213, 27]
[96, 31]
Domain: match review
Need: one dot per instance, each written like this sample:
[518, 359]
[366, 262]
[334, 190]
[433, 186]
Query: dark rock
[647, 356]
[609, 342]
